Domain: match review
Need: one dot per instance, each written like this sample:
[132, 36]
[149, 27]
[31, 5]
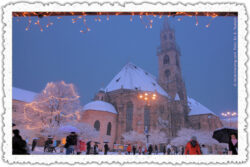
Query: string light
[143, 16]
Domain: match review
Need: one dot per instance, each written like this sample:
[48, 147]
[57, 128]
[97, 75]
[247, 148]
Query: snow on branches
[57, 104]
[203, 137]
[133, 137]
[157, 137]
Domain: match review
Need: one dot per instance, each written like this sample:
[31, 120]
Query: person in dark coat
[106, 149]
[71, 142]
[233, 144]
[156, 149]
[95, 149]
[18, 144]
[88, 147]
[164, 150]
[34, 142]
[150, 149]
[134, 150]
[47, 144]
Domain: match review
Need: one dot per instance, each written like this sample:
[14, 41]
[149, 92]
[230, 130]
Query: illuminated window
[109, 129]
[97, 125]
[129, 116]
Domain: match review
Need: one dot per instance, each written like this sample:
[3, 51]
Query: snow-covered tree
[132, 137]
[184, 135]
[157, 137]
[56, 105]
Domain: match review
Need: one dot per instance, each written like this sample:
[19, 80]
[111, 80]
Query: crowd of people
[72, 144]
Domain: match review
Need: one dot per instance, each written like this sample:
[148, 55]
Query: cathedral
[135, 100]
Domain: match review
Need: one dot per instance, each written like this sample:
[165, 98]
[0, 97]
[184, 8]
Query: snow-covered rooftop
[23, 95]
[134, 78]
[197, 109]
[100, 106]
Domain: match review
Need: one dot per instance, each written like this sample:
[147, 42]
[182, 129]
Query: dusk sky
[91, 60]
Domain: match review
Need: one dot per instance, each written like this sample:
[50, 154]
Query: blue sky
[91, 60]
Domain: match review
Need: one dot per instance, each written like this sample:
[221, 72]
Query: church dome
[100, 106]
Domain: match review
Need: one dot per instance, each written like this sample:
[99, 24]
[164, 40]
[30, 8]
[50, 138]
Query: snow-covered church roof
[197, 109]
[23, 95]
[134, 78]
[100, 106]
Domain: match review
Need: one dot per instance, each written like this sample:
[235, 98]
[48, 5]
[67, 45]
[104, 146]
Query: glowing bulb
[146, 94]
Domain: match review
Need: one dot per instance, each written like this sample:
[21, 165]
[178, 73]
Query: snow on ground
[23, 95]
[197, 108]
[100, 106]
[134, 78]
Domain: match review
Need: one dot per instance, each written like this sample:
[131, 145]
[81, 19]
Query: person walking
[233, 144]
[96, 148]
[106, 148]
[71, 142]
[134, 150]
[47, 144]
[150, 149]
[129, 149]
[193, 147]
[34, 143]
[156, 149]
[140, 150]
[204, 149]
[88, 147]
[164, 150]
[18, 144]
[169, 148]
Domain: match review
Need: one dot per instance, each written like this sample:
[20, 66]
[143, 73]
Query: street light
[148, 96]
[229, 115]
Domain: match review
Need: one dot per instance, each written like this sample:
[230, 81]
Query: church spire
[166, 25]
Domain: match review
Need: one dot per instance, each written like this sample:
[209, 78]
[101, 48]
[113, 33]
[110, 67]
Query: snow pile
[134, 78]
[197, 109]
[23, 95]
[100, 106]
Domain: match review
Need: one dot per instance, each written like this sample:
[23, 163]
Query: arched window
[97, 125]
[109, 129]
[166, 59]
[167, 73]
[129, 116]
[146, 117]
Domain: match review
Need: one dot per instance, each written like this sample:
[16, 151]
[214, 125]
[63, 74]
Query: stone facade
[208, 122]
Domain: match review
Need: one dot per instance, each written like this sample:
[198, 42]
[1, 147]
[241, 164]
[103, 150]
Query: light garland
[145, 17]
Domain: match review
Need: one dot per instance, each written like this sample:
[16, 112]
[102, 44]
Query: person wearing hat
[193, 147]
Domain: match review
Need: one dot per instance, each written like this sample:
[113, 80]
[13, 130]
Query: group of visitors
[74, 145]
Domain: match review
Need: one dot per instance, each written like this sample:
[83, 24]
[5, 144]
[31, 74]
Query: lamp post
[146, 134]
[229, 115]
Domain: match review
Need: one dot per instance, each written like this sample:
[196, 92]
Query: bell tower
[170, 77]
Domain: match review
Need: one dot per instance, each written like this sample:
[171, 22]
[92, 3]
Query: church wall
[206, 122]
[90, 116]
[120, 98]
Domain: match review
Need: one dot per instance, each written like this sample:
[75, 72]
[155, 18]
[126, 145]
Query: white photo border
[130, 6]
